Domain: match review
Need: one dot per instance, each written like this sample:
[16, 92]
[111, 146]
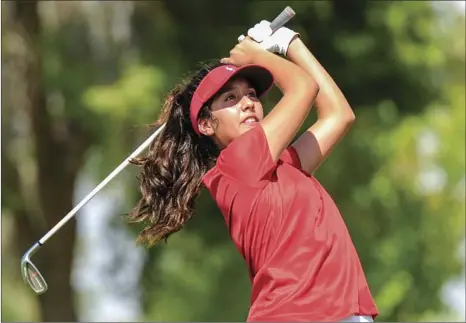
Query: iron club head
[31, 275]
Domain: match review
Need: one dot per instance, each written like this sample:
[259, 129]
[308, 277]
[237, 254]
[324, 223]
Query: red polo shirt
[300, 256]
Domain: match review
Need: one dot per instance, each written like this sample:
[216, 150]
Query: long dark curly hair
[171, 171]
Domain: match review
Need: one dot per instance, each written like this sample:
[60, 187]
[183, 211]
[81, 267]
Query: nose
[246, 103]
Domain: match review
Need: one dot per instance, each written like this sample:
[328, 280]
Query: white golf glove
[277, 42]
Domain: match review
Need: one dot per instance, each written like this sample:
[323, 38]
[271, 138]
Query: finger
[268, 30]
[265, 29]
[251, 33]
[256, 34]
[264, 23]
[241, 38]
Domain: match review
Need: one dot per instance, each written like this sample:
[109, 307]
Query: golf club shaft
[99, 187]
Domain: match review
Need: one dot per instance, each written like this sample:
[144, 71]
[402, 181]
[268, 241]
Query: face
[235, 110]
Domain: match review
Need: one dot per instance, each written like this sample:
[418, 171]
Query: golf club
[29, 271]
[31, 275]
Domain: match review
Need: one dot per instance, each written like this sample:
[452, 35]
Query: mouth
[250, 120]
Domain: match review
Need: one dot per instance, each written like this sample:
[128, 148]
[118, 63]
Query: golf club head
[31, 275]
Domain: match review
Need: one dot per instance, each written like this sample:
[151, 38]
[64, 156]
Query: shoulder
[247, 160]
[212, 176]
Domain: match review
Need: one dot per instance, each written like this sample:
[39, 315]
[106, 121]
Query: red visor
[261, 79]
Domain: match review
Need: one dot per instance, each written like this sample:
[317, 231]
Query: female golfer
[300, 256]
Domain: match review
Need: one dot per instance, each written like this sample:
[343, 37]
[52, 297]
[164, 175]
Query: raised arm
[299, 91]
[335, 115]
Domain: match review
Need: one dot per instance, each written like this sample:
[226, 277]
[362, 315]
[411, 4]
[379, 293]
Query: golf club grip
[282, 18]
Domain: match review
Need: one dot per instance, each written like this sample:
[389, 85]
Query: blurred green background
[82, 79]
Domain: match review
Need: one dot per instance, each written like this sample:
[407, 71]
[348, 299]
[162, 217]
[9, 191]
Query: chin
[247, 126]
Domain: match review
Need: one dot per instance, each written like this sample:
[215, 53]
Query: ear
[206, 127]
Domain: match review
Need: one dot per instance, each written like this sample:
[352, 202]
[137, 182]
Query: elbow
[305, 90]
[310, 88]
[314, 88]
[345, 117]
[348, 119]
[303, 85]
[312, 85]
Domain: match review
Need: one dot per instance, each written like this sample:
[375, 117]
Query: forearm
[335, 115]
[289, 77]
[299, 92]
[330, 102]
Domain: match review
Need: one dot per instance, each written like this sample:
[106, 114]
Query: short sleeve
[247, 159]
[290, 156]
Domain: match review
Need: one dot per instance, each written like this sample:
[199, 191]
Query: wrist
[261, 56]
[295, 47]
[286, 37]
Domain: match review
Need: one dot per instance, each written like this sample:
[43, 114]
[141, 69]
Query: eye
[229, 97]
[252, 94]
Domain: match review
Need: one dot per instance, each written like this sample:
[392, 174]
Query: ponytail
[171, 171]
